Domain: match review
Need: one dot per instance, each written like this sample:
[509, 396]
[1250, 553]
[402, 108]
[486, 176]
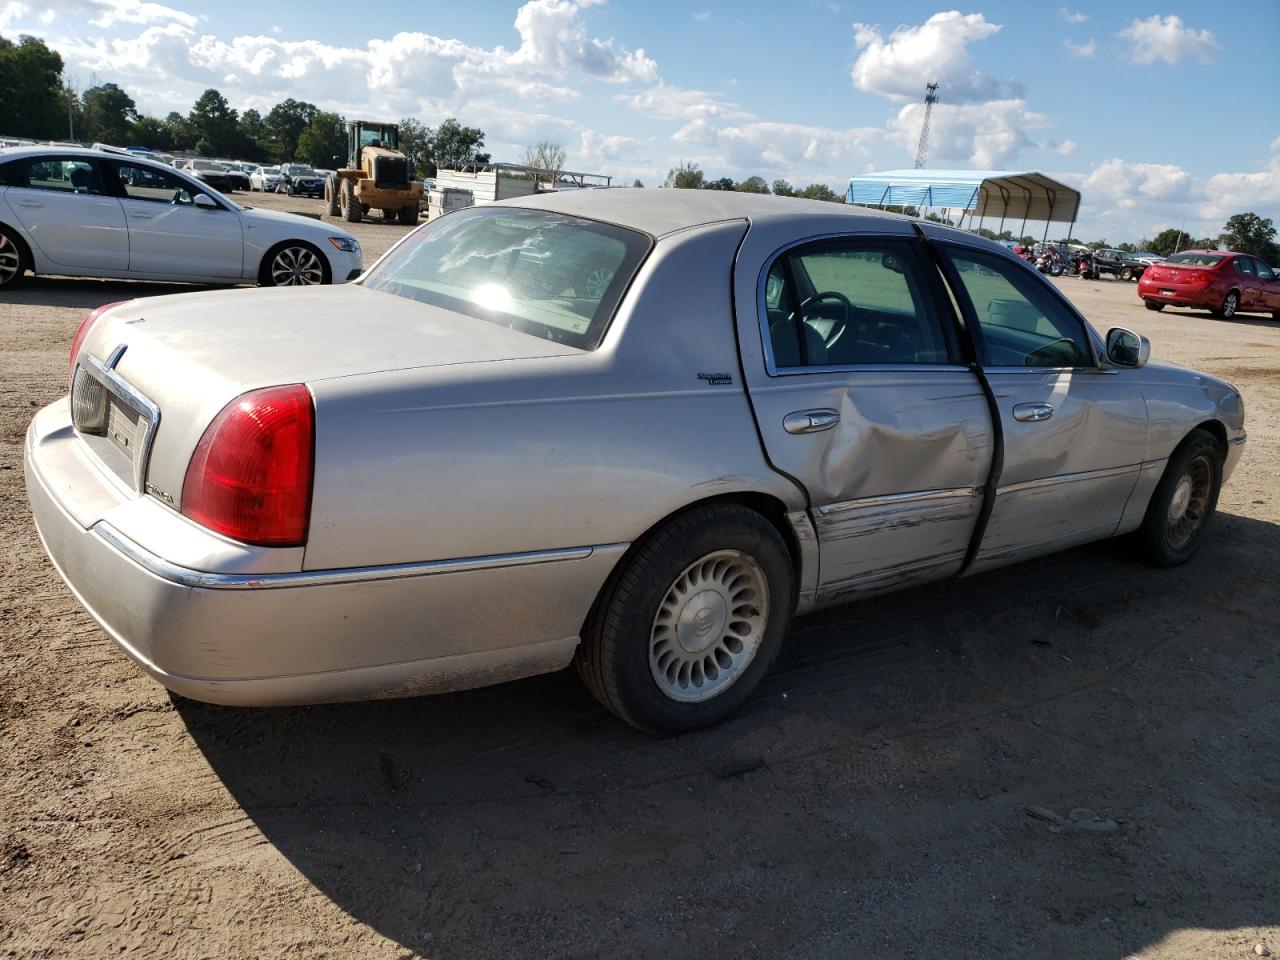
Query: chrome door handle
[810, 421]
[1031, 412]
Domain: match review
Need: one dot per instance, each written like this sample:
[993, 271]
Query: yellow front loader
[376, 176]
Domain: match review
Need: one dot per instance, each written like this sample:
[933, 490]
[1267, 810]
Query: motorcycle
[1050, 264]
[1085, 268]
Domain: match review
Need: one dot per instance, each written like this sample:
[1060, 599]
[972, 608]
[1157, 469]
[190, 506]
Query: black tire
[13, 259]
[332, 206]
[265, 277]
[1230, 304]
[614, 657]
[408, 215]
[1126, 273]
[390, 214]
[1198, 458]
[1153, 305]
[352, 211]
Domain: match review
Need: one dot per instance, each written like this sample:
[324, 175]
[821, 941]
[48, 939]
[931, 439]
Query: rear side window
[1244, 266]
[547, 274]
[1022, 323]
[62, 174]
[850, 303]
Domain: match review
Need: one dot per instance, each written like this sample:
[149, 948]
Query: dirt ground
[901, 786]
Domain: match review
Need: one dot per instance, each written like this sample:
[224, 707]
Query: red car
[1218, 280]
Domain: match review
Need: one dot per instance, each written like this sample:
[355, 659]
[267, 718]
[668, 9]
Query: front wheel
[685, 630]
[1126, 274]
[1183, 502]
[1229, 305]
[294, 264]
[11, 260]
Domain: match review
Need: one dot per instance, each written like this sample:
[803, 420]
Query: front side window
[852, 302]
[1264, 271]
[63, 174]
[1244, 266]
[553, 276]
[1022, 323]
[148, 183]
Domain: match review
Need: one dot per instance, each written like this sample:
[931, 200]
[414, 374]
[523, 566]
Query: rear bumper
[1178, 295]
[307, 636]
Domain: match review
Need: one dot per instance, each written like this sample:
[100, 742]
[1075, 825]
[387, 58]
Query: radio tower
[922, 148]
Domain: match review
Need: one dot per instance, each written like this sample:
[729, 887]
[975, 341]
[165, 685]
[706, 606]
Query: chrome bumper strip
[897, 499]
[185, 576]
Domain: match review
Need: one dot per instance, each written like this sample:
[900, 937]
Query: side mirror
[204, 202]
[890, 262]
[1127, 349]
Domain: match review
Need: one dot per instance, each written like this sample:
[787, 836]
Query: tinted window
[67, 174]
[148, 183]
[1264, 271]
[860, 302]
[1244, 266]
[549, 275]
[1195, 259]
[1023, 323]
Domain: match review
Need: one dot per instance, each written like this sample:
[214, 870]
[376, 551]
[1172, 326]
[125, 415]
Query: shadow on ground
[89, 293]
[871, 800]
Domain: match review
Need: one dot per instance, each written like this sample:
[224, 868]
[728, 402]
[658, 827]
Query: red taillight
[250, 476]
[1198, 276]
[83, 331]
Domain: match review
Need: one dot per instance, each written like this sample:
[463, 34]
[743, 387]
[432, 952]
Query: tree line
[689, 176]
[39, 105]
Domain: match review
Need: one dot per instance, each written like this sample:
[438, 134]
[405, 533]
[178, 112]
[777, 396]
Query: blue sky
[1161, 113]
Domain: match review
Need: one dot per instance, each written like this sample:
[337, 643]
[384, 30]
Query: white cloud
[1120, 183]
[702, 16]
[13, 12]
[986, 136]
[553, 38]
[790, 150]
[1167, 39]
[936, 50]
[1086, 49]
[1072, 16]
[679, 103]
[1064, 149]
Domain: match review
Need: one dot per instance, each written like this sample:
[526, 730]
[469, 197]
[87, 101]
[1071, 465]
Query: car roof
[10, 153]
[661, 211]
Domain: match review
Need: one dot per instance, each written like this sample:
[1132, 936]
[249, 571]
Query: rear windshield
[1194, 260]
[546, 274]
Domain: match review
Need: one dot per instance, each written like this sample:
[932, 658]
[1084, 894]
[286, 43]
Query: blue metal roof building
[1009, 195]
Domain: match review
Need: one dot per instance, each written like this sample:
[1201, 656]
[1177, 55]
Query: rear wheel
[352, 212]
[1153, 305]
[1229, 304]
[684, 631]
[1183, 502]
[409, 215]
[12, 261]
[1126, 274]
[331, 197]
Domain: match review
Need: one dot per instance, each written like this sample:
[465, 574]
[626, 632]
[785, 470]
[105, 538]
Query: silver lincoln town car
[635, 430]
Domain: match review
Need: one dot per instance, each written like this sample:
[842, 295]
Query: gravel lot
[902, 786]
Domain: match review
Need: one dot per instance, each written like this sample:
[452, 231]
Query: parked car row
[632, 430]
[85, 212]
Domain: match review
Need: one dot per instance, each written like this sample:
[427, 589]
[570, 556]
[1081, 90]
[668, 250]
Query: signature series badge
[716, 379]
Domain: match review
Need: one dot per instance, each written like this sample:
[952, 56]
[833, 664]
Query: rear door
[1268, 287]
[860, 395]
[1246, 281]
[1074, 431]
[168, 234]
[62, 204]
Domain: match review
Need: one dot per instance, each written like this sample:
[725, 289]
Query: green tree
[415, 143]
[820, 191]
[454, 146]
[322, 139]
[936, 218]
[33, 101]
[1167, 241]
[180, 134]
[151, 133]
[753, 185]
[215, 124]
[253, 131]
[783, 189]
[687, 176]
[724, 183]
[638, 183]
[284, 124]
[1250, 233]
[547, 158]
[108, 114]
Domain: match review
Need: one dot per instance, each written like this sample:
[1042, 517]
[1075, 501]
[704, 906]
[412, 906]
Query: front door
[861, 398]
[64, 208]
[1074, 430]
[171, 237]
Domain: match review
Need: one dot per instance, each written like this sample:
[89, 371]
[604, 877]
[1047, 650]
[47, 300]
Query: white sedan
[81, 212]
[264, 179]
